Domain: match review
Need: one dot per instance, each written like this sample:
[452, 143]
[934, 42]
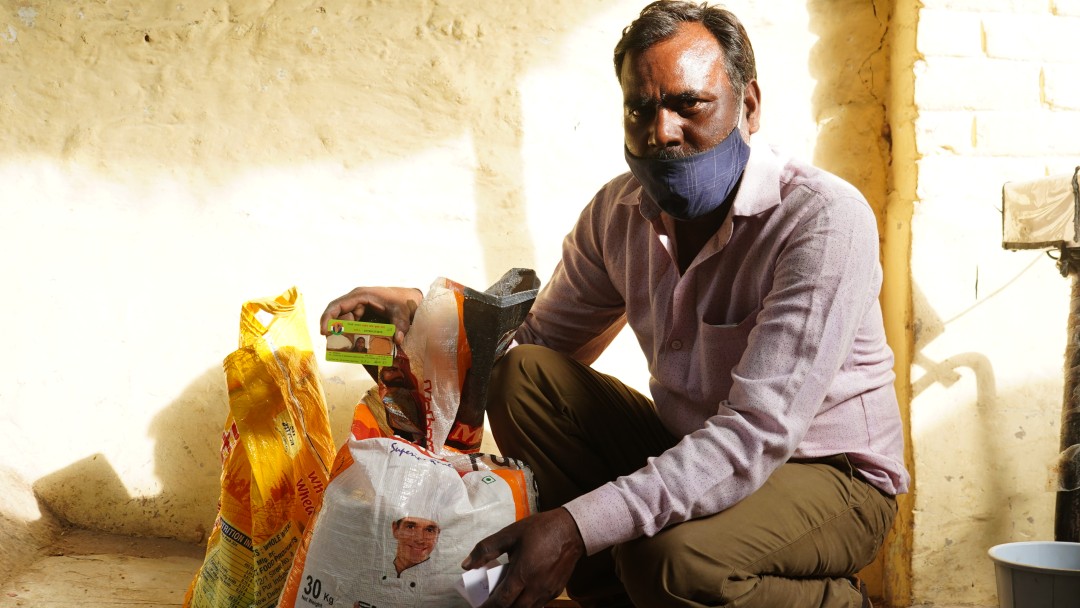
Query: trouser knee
[660, 571]
[519, 365]
[513, 378]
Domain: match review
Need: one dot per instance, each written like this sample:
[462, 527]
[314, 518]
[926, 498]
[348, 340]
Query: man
[764, 469]
[416, 538]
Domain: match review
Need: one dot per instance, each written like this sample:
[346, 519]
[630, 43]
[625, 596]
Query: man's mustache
[675, 153]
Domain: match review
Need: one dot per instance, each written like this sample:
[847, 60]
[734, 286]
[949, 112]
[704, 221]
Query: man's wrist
[577, 541]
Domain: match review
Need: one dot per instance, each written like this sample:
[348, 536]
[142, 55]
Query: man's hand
[543, 550]
[395, 303]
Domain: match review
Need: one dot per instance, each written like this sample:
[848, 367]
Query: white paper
[476, 585]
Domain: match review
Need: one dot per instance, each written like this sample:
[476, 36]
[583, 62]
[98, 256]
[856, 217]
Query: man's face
[392, 376]
[416, 538]
[677, 98]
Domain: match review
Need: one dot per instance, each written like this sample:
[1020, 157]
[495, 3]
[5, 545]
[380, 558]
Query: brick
[1043, 133]
[1061, 86]
[990, 6]
[1065, 8]
[945, 133]
[950, 33]
[1032, 37]
[947, 83]
[964, 179]
[953, 172]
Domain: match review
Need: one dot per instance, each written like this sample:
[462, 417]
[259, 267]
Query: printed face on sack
[416, 538]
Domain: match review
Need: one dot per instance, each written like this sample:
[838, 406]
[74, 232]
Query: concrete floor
[95, 570]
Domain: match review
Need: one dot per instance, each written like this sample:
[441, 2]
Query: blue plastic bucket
[1038, 574]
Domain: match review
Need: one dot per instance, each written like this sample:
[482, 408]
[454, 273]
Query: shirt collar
[760, 186]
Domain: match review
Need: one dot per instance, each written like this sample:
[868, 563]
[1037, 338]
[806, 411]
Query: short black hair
[660, 20]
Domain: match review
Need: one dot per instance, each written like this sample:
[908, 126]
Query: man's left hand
[543, 550]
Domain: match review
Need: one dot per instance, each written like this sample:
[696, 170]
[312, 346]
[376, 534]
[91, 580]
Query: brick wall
[997, 98]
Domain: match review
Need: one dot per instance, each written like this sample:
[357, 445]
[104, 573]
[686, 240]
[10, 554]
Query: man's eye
[689, 105]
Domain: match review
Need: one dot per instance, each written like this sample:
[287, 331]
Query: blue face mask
[693, 186]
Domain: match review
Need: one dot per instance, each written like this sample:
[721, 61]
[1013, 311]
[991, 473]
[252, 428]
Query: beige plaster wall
[161, 163]
[993, 97]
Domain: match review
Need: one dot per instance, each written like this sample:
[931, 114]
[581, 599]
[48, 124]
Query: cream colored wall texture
[996, 95]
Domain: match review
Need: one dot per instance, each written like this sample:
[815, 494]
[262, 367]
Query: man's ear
[752, 107]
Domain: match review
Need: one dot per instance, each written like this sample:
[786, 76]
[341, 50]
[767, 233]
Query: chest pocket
[717, 352]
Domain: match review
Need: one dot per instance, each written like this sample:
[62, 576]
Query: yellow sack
[276, 453]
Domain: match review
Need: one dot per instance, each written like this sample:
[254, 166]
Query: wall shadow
[90, 493]
[989, 494]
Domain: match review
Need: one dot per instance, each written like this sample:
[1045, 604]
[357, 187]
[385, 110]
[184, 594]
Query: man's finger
[337, 309]
[488, 549]
[508, 591]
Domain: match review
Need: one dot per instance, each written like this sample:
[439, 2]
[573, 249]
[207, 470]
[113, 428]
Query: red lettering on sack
[429, 415]
[467, 435]
[316, 483]
[228, 441]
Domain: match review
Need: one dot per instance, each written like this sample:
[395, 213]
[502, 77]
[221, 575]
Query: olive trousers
[794, 542]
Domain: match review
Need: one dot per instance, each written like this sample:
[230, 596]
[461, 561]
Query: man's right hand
[543, 550]
[397, 304]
